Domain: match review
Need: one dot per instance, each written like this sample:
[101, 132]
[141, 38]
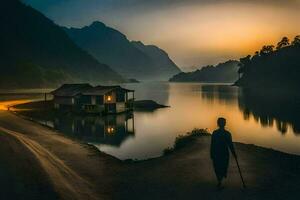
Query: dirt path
[65, 180]
[21, 176]
[187, 174]
[78, 171]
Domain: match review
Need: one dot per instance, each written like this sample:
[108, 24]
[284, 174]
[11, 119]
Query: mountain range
[226, 72]
[35, 52]
[129, 58]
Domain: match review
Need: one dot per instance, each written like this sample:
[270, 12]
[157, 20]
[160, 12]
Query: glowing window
[110, 130]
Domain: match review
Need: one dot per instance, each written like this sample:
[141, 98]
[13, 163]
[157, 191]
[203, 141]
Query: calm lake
[264, 121]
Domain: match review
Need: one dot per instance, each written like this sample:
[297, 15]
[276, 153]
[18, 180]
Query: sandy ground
[48, 165]
[76, 170]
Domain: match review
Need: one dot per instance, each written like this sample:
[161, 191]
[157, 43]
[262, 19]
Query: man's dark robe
[221, 142]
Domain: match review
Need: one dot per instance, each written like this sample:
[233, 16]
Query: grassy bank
[183, 141]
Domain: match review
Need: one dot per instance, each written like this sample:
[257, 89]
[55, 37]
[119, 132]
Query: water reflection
[157, 91]
[111, 130]
[253, 119]
[271, 108]
[223, 94]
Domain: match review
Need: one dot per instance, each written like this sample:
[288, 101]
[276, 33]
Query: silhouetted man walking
[221, 142]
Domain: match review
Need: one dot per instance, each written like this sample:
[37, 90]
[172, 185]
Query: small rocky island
[147, 105]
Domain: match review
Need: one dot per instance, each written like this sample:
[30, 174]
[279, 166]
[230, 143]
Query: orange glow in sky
[193, 32]
[210, 34]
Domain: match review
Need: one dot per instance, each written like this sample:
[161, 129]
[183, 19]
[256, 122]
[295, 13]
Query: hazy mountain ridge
[113, 48]
[35, 52]
[226, 72]
[162, 59]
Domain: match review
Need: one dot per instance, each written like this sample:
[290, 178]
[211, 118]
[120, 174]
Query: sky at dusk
[193, 32]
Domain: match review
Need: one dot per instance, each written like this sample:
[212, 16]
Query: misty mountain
[35, 52]
[226, 72]
[130, 59]
[160, 57]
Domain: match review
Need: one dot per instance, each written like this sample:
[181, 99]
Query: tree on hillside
[266, 49]
[243, 63]
[272, 69]
[283, 43]
[296, 40]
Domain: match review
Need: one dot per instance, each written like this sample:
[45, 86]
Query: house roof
[102, 90]
[69, 90]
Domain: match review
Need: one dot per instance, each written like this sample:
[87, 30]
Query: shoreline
[137, 160]
[86, 171]
[91, 146]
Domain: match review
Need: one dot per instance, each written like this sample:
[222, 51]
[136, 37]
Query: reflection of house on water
[267, 109]
[111, 129]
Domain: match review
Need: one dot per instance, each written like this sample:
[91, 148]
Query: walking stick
[237, 163]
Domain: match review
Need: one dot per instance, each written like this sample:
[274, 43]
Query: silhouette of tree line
[276, 67]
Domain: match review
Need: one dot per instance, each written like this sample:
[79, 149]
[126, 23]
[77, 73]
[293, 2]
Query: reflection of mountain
[221, 93]
[267, 109]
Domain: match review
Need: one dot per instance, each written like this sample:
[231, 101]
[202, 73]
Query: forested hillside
[272, 67]
[35, 52]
